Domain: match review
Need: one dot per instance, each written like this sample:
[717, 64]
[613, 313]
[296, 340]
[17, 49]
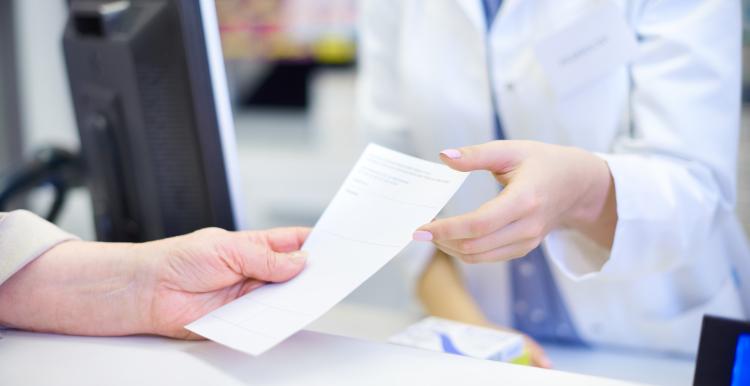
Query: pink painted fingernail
[451, 153]
[422, 236]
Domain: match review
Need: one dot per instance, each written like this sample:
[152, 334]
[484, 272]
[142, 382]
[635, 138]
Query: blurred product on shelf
[320, 31]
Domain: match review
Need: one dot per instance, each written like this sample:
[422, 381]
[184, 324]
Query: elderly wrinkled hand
[89, 288]
[198, 273]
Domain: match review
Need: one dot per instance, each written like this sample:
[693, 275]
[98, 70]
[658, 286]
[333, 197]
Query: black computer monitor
[723, 353]
[151, 102]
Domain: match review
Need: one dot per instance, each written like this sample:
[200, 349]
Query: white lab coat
[666, 122]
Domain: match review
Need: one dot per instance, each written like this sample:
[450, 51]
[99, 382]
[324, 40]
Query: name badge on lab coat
[587, 49]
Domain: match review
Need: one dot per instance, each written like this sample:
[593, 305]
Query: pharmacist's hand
[536, 353]
[194, 274]
[546, 187]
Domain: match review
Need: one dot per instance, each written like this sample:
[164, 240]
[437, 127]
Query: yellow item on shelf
[334, 50]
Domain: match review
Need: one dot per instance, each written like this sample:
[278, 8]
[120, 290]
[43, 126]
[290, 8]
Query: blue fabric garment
[491, 9]
[538, 307]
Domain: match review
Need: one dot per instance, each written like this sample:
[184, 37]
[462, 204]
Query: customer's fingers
[286, 239]
[248, 286]
[257, 259]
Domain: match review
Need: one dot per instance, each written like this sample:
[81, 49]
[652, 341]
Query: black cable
[55, 167]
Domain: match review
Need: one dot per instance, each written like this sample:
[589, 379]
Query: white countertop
[308, 358]
[311, 358]
[377, 324]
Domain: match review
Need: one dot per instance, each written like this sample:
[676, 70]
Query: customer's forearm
[76, 288]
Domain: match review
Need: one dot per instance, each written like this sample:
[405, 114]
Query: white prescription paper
[386, 196]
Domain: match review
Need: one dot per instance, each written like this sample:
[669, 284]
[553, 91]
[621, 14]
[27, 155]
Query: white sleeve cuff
[23, 237]
[660, 205]
[578, 257]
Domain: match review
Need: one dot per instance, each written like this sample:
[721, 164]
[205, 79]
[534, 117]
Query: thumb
[496, 156]
[261, 262]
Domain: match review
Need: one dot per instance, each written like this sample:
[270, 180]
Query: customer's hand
[88, 288]
[546, 187]
[187, 277]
